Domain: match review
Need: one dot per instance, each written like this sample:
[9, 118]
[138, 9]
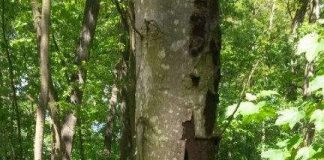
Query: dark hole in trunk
[195, 80]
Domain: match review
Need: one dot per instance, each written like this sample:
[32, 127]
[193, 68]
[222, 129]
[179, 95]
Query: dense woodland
[162, 79]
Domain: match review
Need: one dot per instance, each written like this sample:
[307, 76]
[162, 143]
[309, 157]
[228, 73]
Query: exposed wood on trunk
[78, 78]
[44, 78]
[14, 99]
[177, 76]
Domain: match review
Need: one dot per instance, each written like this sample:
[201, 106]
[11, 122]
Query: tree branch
[231, 117]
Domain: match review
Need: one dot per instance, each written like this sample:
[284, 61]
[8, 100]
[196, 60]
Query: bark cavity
[197, 148]
[195, 80]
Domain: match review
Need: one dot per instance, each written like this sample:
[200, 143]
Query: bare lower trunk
[178, 71]
[39, 133]
[44, 78]
[67, 135]
[57, 144]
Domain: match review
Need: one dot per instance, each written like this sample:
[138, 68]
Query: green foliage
[290, 116]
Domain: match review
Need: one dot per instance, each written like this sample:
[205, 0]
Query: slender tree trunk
[296, 22]
[14, 100]
[57, 144]
[78, 79]
[309, 72]
[110, 121]
[44, 78]
[299, 16]
[126, 83]
[178, 71]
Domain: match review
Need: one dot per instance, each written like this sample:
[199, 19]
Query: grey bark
[44, 78]
[177, 71]
[91, 12]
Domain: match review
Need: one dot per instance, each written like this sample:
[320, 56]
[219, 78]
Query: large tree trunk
[91, 12]
[177, 71]
[14, 100]
[44, 78]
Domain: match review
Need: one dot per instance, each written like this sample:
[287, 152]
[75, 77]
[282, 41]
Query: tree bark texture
[44, 78]
[177, 76]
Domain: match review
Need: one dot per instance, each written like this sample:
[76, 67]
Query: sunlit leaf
[250, 97]
[273, 154]
[245, 108]
[317, 83]
[248, 108]
[305, 153]
[290, 116]
[310, 46]
[318, 118]
[266, 93]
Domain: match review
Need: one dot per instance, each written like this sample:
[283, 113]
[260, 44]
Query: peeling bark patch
[197, 148]
[198, 23]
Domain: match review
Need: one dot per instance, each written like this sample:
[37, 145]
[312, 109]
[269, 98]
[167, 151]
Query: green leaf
[245, 108]
[248, 108]
[274, 154]
[250, 97]
[310, 46]
[290, 116]
[318, 118]
[305, 153]
[230, 110]
[267, 93]
[317, 83]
